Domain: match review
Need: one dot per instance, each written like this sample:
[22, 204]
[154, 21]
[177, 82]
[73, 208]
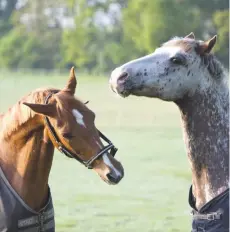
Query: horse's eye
[177, 60]
[67, 135]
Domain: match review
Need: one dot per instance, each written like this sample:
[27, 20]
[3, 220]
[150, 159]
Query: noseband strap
[88, 163]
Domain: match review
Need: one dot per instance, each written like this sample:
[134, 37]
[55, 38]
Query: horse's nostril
[122, 77]
[110, 177]
[113, 178]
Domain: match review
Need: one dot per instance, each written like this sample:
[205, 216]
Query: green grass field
[152, 197]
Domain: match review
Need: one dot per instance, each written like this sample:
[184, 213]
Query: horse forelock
[186, 44]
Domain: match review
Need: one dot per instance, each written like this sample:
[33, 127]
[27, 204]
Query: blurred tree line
[97, 35]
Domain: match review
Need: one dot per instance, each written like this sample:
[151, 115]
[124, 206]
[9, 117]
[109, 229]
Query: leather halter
[87, 163]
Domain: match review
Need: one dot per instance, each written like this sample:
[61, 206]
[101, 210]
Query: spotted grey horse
[184, 70]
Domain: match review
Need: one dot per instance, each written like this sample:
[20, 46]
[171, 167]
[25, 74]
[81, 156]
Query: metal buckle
[60, 149]
[211, 217]
[218, 215]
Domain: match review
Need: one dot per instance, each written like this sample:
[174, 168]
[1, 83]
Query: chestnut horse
[29, 132]
[184, 71]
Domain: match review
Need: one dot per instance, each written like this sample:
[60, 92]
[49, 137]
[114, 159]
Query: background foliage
[97, 35]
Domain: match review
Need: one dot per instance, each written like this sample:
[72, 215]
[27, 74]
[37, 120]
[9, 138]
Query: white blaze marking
[79, 117]
[108, 162]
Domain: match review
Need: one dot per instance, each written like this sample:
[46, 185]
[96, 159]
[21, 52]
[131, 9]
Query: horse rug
[16, 216]
[213, 216]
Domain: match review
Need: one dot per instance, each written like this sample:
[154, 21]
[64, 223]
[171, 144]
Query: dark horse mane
[214, 67]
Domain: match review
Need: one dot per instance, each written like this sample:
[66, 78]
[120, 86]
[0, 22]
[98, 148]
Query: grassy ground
[152, 197]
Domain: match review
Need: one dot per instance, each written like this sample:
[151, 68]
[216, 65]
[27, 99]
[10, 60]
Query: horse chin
[140, 93]
[124, 93]
[134, 92]
[145, 92]
[107, 181]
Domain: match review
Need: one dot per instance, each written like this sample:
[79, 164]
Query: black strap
[60, 146]
[192, 199]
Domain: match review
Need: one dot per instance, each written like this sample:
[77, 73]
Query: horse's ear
[207, 46]
[48, 110]
[72, 83]
[190, 36]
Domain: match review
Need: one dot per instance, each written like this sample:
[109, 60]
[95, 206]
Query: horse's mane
[214, 67]
[19, 114]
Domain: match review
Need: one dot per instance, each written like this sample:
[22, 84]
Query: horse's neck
[25, 157]
[205, 120]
